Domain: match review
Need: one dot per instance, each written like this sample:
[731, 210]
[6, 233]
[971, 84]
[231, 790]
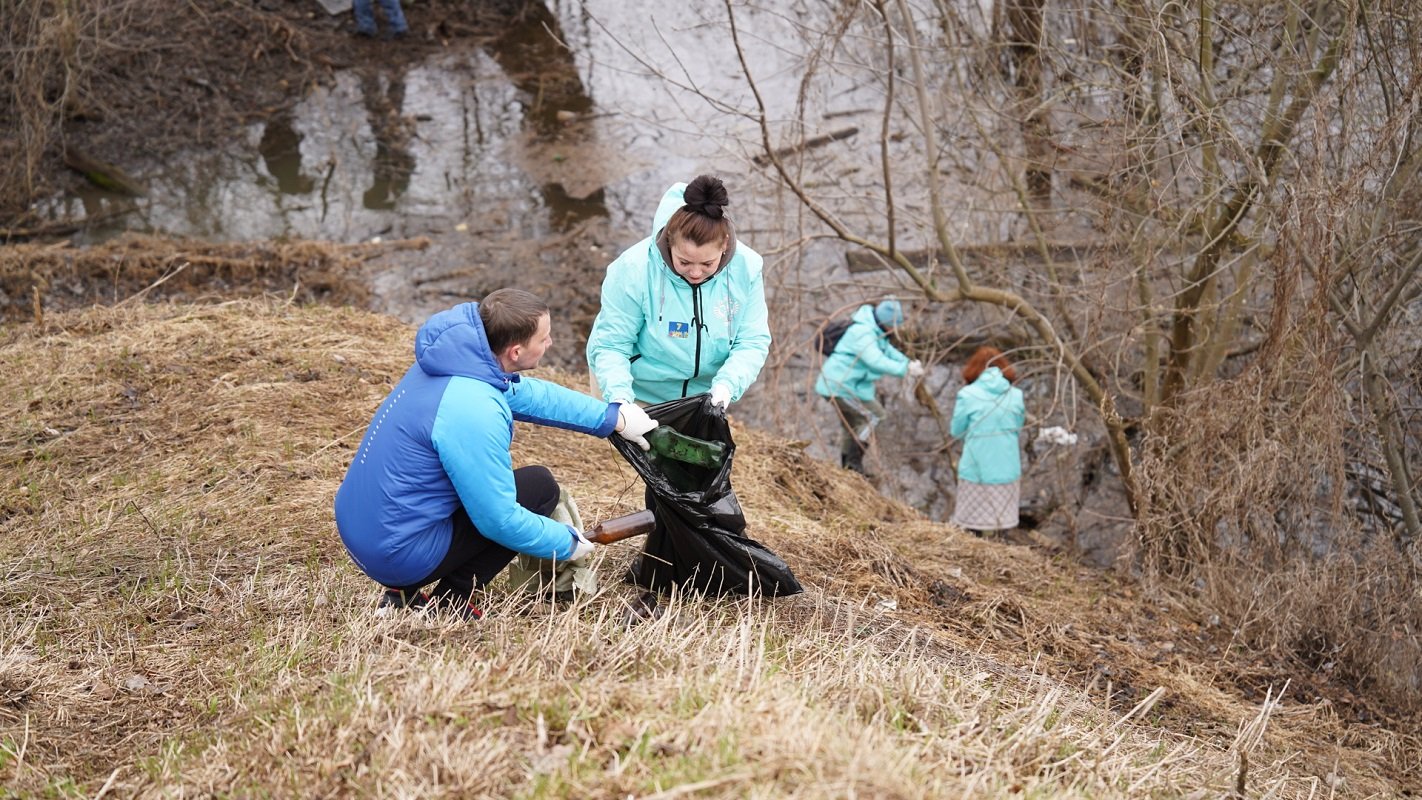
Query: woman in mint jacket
[683, 311]
[987, 416]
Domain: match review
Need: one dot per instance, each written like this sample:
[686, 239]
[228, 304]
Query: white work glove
[915, 369]
[720, 396]
[582, 547]
[633, 424]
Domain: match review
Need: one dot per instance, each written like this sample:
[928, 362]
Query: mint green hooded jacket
[862, 356]
[987, 416]
[658, 338]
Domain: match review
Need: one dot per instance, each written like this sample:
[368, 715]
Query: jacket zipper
[695, 323]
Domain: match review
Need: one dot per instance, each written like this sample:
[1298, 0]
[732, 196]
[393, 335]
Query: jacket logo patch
[678, 330]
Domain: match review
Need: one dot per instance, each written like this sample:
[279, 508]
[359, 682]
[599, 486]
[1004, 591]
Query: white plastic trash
[1056, 435]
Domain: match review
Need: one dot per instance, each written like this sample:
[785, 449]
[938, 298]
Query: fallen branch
[102, 174]
[808, 144]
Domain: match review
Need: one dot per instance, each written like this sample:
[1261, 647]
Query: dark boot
[853, 459]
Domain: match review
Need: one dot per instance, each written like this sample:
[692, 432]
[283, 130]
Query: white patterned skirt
[986, 506]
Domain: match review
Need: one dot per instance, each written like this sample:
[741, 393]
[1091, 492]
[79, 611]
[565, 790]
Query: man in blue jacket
[860, 358]
[432, 494]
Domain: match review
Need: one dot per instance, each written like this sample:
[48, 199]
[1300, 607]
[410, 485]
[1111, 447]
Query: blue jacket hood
[453, 342]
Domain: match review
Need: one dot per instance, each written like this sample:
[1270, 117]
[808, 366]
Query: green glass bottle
[667, 442]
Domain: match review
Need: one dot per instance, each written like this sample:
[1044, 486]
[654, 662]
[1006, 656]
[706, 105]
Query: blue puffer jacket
[862, 356]
[441, 440]
[987, 416]
[659, 338]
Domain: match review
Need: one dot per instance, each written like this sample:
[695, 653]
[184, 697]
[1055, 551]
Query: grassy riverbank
[179, 618]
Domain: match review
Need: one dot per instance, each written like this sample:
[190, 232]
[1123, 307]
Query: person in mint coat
[987, 415]
[431, 494]
[683, 311]
[847, 379]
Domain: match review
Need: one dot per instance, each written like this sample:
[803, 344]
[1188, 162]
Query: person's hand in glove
[581, 547]
[915, 369]
[720, 396]
[633, 424]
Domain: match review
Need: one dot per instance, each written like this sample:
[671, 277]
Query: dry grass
[1249, 501]
[180, 619]
[38, 278]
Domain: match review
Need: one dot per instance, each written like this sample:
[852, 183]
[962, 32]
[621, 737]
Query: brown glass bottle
[623, 527]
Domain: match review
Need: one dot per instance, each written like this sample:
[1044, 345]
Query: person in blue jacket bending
[683, 311]
[862, 356]
[432, 495]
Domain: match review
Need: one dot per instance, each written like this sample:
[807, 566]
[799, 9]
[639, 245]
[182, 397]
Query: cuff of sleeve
[609, 422]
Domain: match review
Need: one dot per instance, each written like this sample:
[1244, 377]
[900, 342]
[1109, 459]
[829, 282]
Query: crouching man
[432, 495]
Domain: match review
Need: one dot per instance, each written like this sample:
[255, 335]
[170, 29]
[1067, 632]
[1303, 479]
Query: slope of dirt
[164, 462]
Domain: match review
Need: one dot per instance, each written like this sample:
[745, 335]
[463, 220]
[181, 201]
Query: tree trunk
[1024, 19]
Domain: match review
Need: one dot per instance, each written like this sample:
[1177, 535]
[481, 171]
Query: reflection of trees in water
[280, 149]
[565, 211]
[529, 49]
[527, 46]
[393, 162]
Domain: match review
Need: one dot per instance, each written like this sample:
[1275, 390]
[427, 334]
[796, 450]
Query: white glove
[583, 547]
[633, 424]
[720, 396]
[915, 369]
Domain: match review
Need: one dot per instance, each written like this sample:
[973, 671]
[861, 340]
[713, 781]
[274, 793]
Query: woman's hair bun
[707, 195]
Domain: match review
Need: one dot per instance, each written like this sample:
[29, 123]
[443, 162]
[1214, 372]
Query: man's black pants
[473, 560]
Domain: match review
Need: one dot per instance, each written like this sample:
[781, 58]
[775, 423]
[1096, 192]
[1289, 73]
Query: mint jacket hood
[862, 356]
[658, 338]
[440, 441]
[987, 415]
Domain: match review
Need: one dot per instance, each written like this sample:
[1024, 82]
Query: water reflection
[280, 149]
[393, 163]
[565, 212]
[394, 151]
[530, 51]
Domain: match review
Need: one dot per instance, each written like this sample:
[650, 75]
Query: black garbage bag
[699, 542]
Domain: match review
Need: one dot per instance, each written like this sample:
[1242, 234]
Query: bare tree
[1196, 208]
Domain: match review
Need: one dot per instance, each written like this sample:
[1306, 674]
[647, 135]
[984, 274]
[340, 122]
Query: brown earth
[215, 434]
[1025, 605]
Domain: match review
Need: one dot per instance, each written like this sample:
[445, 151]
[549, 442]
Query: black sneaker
[392, 600]
[446, 604]
[644, 609]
